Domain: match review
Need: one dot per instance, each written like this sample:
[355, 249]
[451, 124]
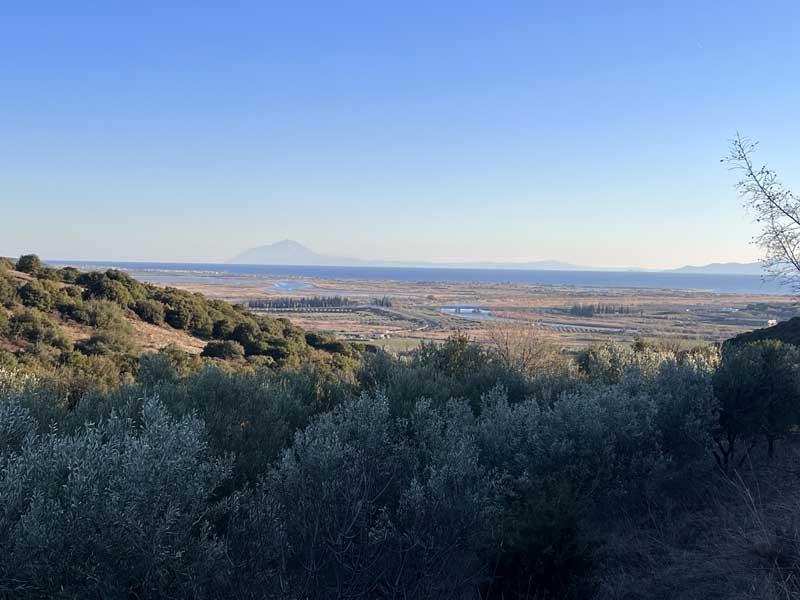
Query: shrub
[108, 342]
[605, 363]
[104, 314]
[150, 311]
[114, 510]
[68, 274]
[155, 368]
[187, 311]
[457, 356]
[183, 362]
[327, 343]
[74, 308]
[686, 408]
[35, 327]
[29, 263]
[223, 328]
[227, 349]
[136, 289]
[8, 291]
[758, 387]
[16, 424]
[251, 416]
[80, 373]
[34, 295]
[100, 286]
[350, 493]
[458, 368]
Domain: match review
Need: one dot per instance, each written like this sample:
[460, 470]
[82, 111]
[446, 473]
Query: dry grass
[20, 276]
[696, 316]
[735, 537]
[151, 338]
[76, 332]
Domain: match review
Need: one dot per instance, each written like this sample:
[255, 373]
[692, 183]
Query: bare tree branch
[775, 207]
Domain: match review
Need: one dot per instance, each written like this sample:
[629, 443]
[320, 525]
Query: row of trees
[590, 310]
[303, 302]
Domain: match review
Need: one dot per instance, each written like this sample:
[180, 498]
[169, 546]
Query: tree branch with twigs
[775, 207]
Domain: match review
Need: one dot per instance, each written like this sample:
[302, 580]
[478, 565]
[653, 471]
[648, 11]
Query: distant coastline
[674, 280]
[293, 253]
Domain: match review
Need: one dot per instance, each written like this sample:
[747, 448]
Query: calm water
[469, 311]
[741, 284]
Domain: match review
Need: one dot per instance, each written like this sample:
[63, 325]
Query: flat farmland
[398, 314]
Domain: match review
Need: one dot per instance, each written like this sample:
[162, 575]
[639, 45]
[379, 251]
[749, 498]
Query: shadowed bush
[114, 510]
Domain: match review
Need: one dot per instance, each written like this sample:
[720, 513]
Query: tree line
[283, 303]
[590, 310]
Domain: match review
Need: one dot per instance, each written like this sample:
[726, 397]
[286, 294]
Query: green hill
[93, 327]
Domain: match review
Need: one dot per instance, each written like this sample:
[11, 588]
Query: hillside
[787, 332]
[98, 324]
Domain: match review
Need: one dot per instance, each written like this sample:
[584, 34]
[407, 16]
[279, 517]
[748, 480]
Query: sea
[232, 273]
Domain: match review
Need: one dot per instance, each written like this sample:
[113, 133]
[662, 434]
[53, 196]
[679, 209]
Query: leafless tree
[775, 207]
[523, 346]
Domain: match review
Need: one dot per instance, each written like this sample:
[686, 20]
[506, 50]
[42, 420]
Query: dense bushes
[758, 386]
[308, 488]
[360, 511]
[461, 471]
[458, 368]
[114, 510]
[80, 327]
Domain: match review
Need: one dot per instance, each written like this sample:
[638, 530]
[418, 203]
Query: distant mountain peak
[284, 252]
[287, 243]
[293, 253]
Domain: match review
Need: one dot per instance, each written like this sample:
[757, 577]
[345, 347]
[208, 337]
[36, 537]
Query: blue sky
[589, 132]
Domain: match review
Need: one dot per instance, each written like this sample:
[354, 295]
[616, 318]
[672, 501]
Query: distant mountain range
[289, 252]
[729, 268]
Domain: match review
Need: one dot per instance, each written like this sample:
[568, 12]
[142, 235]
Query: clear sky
[589, 132]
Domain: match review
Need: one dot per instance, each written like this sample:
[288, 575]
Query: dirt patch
[20, 276]
[151, 337]
[75, 331]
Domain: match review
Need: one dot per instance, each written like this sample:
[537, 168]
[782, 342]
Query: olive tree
[116, 510]
[758, 388]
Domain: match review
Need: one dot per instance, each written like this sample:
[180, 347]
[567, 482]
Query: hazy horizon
[584, 133]
[368, 261]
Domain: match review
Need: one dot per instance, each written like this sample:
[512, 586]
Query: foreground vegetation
[295, 467]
